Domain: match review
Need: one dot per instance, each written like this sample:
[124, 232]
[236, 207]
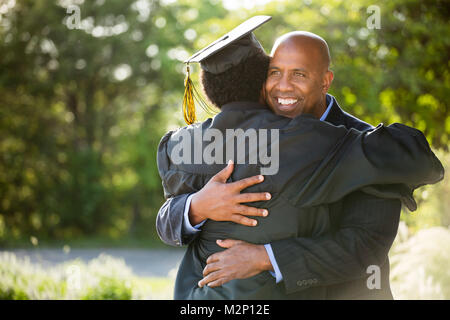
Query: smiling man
[298, 80]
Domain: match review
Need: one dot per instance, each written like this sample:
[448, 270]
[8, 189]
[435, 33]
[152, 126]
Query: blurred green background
[84, 100]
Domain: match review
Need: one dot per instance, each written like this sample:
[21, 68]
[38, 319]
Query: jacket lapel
[338, 117]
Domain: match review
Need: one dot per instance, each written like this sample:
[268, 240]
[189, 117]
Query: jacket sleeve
[177, 188]
[170, 219]
[363, 237]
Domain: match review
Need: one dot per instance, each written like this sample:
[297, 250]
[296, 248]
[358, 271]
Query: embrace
[318, 223]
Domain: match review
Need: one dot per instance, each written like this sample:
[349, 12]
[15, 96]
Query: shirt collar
[327, 111]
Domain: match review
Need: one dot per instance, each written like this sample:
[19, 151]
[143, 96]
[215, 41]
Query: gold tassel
[188, 100]
[191, 95]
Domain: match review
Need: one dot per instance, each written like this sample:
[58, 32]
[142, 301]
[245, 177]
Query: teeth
[286, 101]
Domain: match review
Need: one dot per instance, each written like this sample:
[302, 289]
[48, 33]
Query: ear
[326, 81]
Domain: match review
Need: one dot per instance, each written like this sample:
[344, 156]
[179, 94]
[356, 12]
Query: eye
[274, 72]
[299, 74]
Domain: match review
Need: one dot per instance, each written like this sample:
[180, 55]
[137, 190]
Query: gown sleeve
[388, 162]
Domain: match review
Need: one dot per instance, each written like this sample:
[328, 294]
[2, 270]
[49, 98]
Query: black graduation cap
[221, 55]
[232, 48]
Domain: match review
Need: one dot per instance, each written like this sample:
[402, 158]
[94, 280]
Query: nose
[284, 84]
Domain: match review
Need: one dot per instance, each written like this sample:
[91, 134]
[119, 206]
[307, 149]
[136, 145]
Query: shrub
[21, 280]
[103, 278]
[433, 202]
[420, 264]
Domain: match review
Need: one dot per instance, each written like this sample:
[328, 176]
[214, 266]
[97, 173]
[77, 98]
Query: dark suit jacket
[331, 266]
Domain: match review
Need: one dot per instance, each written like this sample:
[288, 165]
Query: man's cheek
[267, 89]
[270, 101]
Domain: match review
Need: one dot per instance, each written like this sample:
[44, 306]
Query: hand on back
[222, 201]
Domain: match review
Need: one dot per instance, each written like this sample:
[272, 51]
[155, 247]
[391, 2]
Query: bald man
[299, 75]
[363, 226]
[350, 261]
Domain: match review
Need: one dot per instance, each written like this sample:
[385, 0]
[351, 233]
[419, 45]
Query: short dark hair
[242, 82]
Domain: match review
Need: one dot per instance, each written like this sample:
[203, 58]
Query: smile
[287, 102]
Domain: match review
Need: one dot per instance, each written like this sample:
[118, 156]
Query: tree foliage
[82, 109]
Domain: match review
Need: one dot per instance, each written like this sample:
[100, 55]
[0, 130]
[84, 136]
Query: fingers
[247, 182]
[213, 258]
[250, 211]
[210, 267]
[239, 219]
[252, 197]
[212, 279]
[228, 243]
[225, 173]
[217, 283]
[243, 211]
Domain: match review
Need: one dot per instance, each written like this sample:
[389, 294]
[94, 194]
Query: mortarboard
[219, 56]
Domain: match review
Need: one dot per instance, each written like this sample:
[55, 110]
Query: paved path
[143, 262]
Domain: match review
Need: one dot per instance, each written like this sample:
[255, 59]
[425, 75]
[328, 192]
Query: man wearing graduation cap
[294, 223]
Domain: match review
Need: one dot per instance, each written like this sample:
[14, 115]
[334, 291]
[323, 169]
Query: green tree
[397, 73]
[83, 104]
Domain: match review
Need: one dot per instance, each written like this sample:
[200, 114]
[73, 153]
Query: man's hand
[221, 201]
[241, 260]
